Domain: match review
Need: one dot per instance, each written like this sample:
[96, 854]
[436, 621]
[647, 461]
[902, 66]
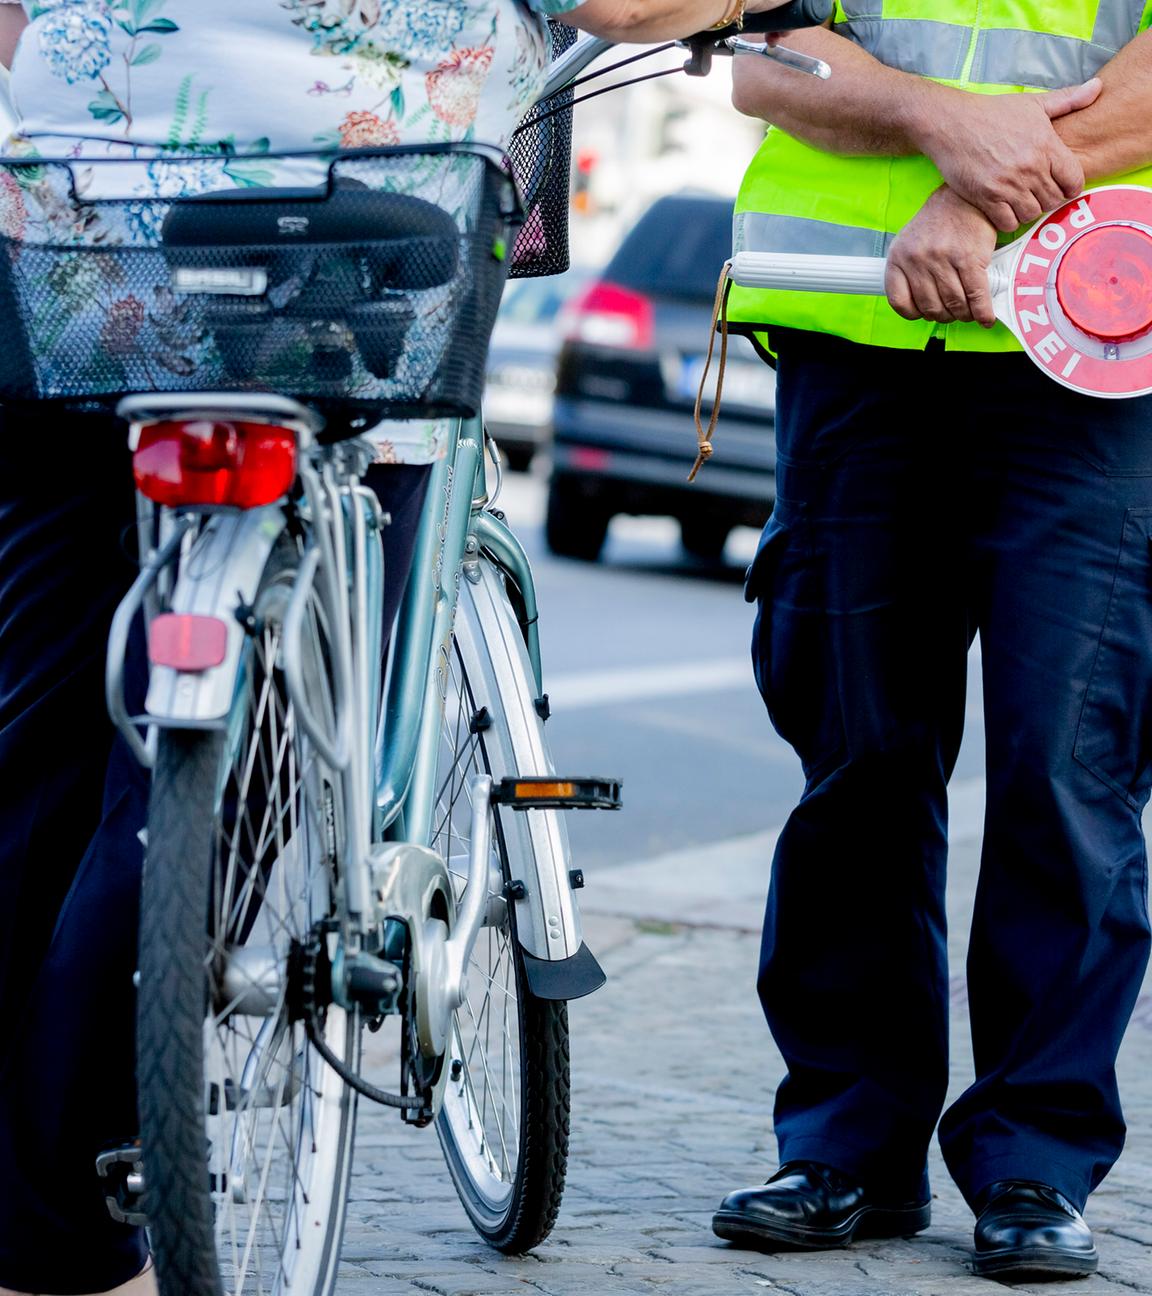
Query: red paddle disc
[1082, 292]
[1104, 283]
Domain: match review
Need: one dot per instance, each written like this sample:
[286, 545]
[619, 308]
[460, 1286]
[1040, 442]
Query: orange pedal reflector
[552, 793]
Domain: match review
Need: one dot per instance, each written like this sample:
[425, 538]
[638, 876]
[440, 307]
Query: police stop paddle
[1076, 289]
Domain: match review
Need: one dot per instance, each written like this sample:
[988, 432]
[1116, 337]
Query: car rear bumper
[640, 458]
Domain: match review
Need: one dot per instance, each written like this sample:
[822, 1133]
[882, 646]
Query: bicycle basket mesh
[366, 284]
[541, 156]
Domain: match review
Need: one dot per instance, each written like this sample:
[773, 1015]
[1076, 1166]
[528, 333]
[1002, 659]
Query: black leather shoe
[1030, 1230]
[809, 1205]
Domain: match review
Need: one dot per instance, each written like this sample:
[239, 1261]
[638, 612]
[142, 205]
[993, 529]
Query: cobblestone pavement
[673, 1075]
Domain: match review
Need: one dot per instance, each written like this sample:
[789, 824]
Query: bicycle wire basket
[541, 155]
[365, 283]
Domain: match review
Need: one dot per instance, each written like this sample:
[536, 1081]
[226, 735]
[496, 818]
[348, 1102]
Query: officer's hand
[1001, 153]
[938, 265]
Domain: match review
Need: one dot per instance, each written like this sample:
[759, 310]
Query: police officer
[933, 484]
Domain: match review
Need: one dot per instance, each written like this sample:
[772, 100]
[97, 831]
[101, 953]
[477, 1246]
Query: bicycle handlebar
[789, 17]
[797, 13]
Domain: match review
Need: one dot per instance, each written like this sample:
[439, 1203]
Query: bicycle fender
[570, 978]
[218, 578]
[547, 916]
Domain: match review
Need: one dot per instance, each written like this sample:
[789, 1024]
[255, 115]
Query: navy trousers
[72, 803]
[922, 498]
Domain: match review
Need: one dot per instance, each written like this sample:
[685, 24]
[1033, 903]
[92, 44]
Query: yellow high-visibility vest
[799, 199]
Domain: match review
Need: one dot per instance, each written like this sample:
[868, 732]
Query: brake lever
[701, 52]
[785, 57]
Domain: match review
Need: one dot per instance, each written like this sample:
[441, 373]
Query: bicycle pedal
[123, 1172]
[553, 793]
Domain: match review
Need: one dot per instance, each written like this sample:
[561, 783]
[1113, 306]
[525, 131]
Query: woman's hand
[641, 21]
[938, 265]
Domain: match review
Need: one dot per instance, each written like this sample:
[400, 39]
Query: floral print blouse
[252, 77]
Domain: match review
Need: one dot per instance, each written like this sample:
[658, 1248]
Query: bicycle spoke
[272, 853]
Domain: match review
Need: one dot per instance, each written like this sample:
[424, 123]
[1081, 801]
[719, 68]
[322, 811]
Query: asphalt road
[646, 662]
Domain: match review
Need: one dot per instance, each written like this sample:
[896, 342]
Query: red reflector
[186, 642]
[1104, 283]
[210, 462]
[590, 459]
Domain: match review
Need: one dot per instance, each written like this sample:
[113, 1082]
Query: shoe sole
[867, 1222]
[1036, 1262]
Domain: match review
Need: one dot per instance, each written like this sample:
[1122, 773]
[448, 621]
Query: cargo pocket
[1112, 737]
[791, 641]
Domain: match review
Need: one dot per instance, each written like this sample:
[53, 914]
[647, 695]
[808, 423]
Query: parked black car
[627, 376]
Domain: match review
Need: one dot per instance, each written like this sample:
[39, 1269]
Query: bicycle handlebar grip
[797, 13]
[798, 272]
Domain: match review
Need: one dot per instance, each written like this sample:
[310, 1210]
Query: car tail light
[214, 462]
[608, 315]
[588, 458]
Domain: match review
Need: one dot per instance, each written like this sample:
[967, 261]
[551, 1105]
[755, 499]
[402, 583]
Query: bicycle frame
[460, 538]
[208, 569]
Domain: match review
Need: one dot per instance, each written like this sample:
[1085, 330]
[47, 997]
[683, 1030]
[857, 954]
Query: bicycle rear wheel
[504, 1123]
[246, 1132]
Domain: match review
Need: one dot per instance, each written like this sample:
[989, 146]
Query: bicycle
[331, 843]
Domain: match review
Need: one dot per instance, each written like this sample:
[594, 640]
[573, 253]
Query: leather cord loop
[704, 445]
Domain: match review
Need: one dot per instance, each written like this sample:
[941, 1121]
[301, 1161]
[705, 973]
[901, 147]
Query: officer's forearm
[1114, 134]
[865, 108]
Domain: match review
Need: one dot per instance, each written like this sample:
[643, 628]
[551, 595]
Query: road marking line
[640, 683]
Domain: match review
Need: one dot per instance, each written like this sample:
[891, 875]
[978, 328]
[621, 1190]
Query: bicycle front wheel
[504, 1123]
[246, 1132]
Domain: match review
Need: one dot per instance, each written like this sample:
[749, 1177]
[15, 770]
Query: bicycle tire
[200, 1124]
[514, 1209]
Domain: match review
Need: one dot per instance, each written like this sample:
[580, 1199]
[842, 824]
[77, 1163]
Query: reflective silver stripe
[1004, 56]
[764, 232]
[1117, 22]
[1023, 58]
[931, 49]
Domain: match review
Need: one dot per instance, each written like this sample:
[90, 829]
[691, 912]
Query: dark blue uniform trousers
[922, 498]
[72, 803]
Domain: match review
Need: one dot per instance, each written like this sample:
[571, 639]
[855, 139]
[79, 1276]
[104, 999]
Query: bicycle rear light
[1104, 283]
[214, 462]
[609, 315]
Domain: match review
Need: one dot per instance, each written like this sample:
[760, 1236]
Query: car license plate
[746, 382]
[509, 405]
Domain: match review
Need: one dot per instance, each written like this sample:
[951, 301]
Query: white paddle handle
[803, 273]
[799, 272]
